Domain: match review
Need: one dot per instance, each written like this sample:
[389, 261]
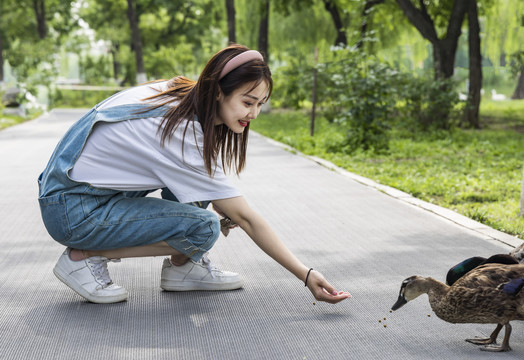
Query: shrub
[359, 93]
[426, 104]
[367, 97]
[292, 84]
[79, 98]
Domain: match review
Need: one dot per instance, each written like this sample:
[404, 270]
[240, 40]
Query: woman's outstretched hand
[323, 291]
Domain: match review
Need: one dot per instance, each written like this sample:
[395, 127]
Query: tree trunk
[444, 58]
[522, 196]
[475, 67]
[444, 50]
[2, 17]
[136, 41]
[115, 51]
[331, 7]
[365, 16]
[231, 19]
[1, 55]
[1, 62]
[263, 31]
[519, 90]
[314, 96]
[41, 26]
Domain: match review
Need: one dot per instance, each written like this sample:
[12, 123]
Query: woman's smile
[240, 107]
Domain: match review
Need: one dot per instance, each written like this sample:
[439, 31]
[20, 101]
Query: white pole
[141, 78]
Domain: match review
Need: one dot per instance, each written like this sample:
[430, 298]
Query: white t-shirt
[127, 156]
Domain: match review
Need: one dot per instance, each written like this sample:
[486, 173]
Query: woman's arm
[261, 233]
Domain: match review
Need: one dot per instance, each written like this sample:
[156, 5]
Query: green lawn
[477, 173]
[10, 120]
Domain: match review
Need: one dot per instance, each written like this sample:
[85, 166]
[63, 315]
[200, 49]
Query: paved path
[364, 240]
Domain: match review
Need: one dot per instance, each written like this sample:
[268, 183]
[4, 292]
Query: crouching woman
[178, 136]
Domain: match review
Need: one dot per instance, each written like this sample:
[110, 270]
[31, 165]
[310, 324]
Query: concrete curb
[488, 232]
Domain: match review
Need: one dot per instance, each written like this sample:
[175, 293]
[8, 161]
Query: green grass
[476, 173]
[10, 120]
[80, 98]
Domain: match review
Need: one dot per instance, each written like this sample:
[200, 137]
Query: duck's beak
[400, 302]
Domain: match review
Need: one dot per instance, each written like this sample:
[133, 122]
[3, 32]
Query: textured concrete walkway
[364, 238]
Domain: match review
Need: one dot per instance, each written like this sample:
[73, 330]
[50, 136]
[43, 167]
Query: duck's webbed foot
[492, 348]
[482, 341]
[487, 341]
[505, 343]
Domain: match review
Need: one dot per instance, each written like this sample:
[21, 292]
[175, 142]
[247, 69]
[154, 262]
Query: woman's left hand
[226, 223]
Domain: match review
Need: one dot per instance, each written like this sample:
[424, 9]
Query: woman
[178, 136]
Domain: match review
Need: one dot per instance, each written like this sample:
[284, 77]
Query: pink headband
[240, 59]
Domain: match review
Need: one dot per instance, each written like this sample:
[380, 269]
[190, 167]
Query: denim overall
[81, 216]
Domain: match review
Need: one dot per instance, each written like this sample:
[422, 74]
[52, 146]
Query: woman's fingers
[333, 298]
[324, 291]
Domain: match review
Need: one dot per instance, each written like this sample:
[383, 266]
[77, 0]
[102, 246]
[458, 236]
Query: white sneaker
[201, 275]
[89, 278]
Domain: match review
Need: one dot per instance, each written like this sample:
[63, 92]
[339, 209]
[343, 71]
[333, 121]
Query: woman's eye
[248, 104]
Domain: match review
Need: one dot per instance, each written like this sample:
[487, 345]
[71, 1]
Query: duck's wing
[462, 268]
[491, 276]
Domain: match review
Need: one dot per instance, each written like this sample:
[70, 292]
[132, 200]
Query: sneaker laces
[210, 267]
[99, 270]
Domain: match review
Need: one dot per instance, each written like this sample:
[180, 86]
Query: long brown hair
[199, 98]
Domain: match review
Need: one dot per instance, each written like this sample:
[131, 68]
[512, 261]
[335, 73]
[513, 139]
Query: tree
[1, 46]
[174, 34]
[56, 12]
[1, 60]
[368, 6]
[136, 41]
[444, 49]
[29, 50]
[109, 21]
[263, 31]
[40, 14]
[503, 41]
[231, 18]
[332, 8]
[516, 61]
[522, 196]
[475, 68]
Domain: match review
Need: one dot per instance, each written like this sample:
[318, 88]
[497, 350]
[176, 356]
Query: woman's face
[241, 106]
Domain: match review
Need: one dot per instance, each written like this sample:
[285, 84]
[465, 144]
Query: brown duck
[488, 294]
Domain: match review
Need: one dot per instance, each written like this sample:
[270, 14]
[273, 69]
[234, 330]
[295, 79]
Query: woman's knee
[199, 237]
[207, 231]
